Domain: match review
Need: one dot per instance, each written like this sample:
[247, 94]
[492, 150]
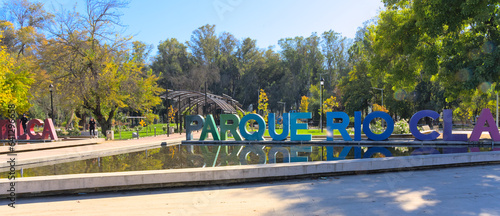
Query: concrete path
[451, 191]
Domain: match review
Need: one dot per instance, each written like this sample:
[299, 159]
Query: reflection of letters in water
[291, 126]
[307, 153]
[47, 133]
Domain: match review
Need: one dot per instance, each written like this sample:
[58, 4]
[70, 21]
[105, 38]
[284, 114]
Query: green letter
[232, 128]
[210, 127]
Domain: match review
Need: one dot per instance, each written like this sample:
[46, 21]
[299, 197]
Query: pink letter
[48, 130]
[31, 131]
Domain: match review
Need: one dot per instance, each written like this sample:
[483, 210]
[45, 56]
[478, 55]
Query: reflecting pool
[192, 156]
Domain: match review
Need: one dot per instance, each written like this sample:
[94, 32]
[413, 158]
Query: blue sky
[152, 21]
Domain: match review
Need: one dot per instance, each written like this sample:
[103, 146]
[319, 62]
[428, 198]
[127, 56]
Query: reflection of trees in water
[175, 157]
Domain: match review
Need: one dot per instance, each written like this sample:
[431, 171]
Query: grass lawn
[314, 132]
[149, 131]
[146, 131]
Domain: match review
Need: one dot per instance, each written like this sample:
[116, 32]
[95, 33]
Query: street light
[51, 102]
[381, 89]
[284, 105]
[321, 82]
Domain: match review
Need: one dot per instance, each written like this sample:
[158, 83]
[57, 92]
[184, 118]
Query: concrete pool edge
[115, 181]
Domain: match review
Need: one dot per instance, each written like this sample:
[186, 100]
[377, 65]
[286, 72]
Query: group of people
[92, 125]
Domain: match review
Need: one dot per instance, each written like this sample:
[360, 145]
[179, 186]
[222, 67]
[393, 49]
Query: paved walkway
[451, 191]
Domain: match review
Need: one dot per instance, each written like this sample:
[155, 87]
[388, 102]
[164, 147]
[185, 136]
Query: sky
[153, 21]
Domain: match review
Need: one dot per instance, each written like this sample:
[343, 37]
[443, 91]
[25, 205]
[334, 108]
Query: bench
[426, 129]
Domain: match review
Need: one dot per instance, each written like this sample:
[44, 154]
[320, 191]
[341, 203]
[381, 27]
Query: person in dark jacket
[24, 120]
[92, 127]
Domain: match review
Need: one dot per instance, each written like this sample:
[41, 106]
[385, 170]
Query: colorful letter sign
[47, 133]
[291, 126]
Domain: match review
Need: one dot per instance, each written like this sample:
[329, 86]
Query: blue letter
[294, 126]
[414, 121]
[341, 127]
[191, 127]
[272, 129]
[255, 135]
[357, 126]
[388, 131]
[448, 127]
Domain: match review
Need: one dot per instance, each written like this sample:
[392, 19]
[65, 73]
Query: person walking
[92, 127]
[24, 120]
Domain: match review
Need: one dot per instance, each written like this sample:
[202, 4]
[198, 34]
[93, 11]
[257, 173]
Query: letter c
[414, 121]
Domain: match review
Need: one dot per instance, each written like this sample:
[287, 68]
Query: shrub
[377, 127]
[74, 132]
[60, 132]
[401, 127]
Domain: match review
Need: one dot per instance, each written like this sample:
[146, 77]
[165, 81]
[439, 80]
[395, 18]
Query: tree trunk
[70, 119]
[103, 122]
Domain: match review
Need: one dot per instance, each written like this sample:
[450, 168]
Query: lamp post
[51, 102]
[321, 82]
[381, 89]
[497, 108]
[284, 105]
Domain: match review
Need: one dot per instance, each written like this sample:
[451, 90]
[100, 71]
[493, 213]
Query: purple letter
[448, 127]
[484, 117]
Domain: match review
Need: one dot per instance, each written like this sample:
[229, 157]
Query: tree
[263, 103]
[28, 18]
[304, 104]
[303, 63]
[334, 48]
[15, 82]
[377, 107]
[450, 42]
[173, 65]
[249, 62]
[356, 86]
[90, 62]
[171, 113]
[227, 64]
[204, 46]
[330, 105]
[140, 54]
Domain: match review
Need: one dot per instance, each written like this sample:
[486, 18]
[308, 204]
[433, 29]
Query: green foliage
[74, 132]
[263, 103]
[15, 82]
[304, 104]
[401, 127]
[94, 66]
[330, 104]
[377, 128]
[450, 42]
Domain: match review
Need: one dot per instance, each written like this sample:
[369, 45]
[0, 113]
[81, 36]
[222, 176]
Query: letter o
[259, 135]
[388, 131]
